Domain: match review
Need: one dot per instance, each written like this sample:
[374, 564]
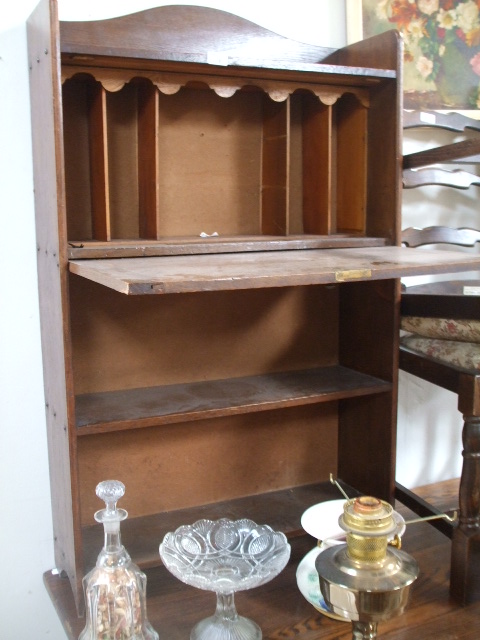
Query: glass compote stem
[226, 624]
[226, 607]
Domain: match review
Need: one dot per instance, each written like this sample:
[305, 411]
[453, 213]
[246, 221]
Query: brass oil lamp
[367, 580]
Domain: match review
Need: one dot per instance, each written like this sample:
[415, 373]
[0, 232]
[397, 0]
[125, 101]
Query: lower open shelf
[151, 406]
[282, 612]
[282, 510]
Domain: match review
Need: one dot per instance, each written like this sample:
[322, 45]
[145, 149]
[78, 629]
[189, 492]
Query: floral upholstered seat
[455, 342]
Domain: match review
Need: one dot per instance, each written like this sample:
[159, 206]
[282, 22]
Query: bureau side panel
[52, 271]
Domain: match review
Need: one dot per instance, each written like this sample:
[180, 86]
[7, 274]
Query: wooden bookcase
[218, 228]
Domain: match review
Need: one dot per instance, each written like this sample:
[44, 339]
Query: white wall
[25, 521]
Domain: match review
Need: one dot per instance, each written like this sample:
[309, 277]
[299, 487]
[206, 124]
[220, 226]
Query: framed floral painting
[442, 47]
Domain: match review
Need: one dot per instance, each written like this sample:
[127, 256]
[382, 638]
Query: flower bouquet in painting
[442, 48]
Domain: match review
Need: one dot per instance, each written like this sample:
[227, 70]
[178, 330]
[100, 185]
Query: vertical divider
[274, 183]
[319, 167]
[351, 125]
[98, 145]
[148, 125]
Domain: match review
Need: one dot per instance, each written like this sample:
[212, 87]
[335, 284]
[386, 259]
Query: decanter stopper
[110, 491]
[115, 589]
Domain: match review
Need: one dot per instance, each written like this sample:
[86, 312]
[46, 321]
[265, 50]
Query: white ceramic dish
[309, 585]
[321, 520]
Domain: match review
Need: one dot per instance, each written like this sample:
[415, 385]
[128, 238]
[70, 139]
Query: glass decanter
[115, 589]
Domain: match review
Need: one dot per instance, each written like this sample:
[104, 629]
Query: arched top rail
[202, 35]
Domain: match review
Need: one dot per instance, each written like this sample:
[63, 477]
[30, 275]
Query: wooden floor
[283, 613]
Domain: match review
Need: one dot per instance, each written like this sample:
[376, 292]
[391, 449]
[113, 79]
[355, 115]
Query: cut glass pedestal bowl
[225, 556]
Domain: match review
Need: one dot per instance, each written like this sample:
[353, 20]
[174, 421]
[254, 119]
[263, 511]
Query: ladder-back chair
[441, 344]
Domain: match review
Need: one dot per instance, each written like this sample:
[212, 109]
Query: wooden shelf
[223, 272]
[141, 536]
[135, 408]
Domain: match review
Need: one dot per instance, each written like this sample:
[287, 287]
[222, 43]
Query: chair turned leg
[465, 561]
